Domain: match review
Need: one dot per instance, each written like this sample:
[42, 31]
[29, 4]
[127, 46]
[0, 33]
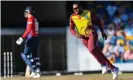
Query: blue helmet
[29, 10]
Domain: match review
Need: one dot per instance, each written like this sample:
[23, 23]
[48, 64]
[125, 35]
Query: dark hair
[78, 3]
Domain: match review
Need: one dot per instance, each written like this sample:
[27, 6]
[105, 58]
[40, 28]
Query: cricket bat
[27, 72]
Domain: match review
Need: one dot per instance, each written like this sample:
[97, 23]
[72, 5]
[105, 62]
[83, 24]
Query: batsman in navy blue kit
[31, 39]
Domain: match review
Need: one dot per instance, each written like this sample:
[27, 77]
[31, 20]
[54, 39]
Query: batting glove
[19, 41]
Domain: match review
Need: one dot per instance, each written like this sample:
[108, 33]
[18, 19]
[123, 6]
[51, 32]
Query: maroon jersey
[95, 21]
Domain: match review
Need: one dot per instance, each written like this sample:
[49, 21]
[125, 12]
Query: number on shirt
[36, 26]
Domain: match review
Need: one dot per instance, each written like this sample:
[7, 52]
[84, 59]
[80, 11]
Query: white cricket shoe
[32, 74]
[37, 75]
[104, 69]
[115, 72]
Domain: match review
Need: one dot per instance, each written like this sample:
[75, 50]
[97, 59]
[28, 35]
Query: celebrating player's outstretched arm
[98, 22]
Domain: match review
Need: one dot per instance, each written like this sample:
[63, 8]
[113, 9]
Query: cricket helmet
[29, 9]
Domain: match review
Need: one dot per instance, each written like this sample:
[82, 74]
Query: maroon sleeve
[29, 27]
[72, 26]
[97, 21]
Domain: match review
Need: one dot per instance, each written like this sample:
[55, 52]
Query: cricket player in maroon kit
[84, 21]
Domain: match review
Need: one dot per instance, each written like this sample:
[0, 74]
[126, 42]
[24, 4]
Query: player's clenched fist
[19, 41]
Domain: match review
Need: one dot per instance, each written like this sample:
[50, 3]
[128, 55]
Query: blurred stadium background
[60, 51]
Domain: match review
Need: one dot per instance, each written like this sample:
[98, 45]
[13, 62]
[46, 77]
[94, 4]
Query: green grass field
[124, 76]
